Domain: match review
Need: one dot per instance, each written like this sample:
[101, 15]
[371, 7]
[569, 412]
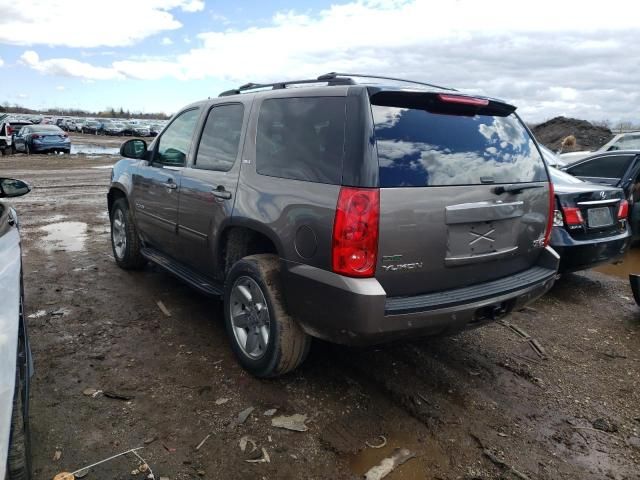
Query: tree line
[76, 112]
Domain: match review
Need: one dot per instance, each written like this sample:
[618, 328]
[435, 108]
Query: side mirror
[134, 148]
[10, 187]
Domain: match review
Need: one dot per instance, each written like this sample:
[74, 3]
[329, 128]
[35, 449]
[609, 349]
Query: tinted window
[175, 142]
[612, 166]
[418, 148]
[301, 138]
[220, 139]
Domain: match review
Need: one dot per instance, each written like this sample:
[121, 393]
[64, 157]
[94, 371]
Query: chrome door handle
[221, 193]
[170, 185]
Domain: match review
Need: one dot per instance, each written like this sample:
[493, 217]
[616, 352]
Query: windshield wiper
[515, 188]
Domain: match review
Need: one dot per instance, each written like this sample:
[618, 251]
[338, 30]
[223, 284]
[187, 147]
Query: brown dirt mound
[588, 136]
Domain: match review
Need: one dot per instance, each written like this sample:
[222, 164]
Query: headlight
[558, 221]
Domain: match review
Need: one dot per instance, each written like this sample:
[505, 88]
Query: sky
[549, 57]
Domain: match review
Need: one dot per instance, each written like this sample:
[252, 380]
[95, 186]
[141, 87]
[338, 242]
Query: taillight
[463, 100]
[623, 210]
[572, 216]
[552, 207]
[355, 232]
[35, 135]
[9, 131]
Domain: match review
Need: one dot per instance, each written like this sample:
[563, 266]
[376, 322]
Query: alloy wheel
[249, 317]
[119, 233]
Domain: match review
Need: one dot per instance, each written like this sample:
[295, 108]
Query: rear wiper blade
[515, 188]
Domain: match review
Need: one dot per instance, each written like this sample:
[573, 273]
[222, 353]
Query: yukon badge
[402, 267]
[398, 267]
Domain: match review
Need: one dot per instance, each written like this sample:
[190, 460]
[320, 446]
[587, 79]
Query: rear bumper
[583, 254]
[48, 146]
[357, 311]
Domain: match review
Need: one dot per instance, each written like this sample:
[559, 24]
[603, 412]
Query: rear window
[301, 138]
[417, 148]
[45, 129]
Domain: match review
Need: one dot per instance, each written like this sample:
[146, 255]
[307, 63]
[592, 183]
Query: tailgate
[440, 238]
[464, 195]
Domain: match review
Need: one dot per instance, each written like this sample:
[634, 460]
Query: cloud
[567, 62]
[166, 41]
[1, 62]
[87, 24]
[68, 67]
[60, 88]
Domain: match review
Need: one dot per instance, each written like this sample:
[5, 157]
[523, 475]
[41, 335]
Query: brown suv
[353, 213]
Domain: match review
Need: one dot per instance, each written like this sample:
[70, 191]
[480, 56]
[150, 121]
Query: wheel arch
[239, 240]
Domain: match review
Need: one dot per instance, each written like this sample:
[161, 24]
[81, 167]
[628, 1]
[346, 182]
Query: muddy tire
[266, 340]
[18, 462]
[125, 242]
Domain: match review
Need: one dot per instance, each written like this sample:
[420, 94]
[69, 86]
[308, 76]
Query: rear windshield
[46, 129]
[417, 148]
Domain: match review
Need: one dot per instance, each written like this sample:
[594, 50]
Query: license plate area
[599, 217]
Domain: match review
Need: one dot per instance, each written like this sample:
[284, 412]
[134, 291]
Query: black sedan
[42, 139]
[619, 168]
[590, 224]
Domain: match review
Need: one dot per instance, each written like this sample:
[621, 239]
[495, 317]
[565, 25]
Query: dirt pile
[588, 136]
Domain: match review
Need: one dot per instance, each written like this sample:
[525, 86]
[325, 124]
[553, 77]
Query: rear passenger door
[208, 188]
[607, 169]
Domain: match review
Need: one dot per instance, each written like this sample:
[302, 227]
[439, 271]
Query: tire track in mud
[470, 401]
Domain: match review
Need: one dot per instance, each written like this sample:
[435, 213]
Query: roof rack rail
[278, 85]
[336, 75]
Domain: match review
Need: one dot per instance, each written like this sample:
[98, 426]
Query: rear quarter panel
[296, 215]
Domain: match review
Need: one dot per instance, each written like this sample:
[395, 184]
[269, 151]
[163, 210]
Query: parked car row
[138, 128]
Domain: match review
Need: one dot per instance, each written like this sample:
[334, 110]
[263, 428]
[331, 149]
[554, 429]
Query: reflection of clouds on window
[387, 117]
[417, 148]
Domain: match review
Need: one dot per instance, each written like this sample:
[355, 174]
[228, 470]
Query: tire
[66, 151]
[287, 344]
[18, 461]
[125, 242]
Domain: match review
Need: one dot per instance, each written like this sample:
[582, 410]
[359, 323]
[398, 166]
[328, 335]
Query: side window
[220, 139]
[612, 166]
[173, 146]
[301, 138]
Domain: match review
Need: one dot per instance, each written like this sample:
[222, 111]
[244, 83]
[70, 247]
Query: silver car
[15, 355]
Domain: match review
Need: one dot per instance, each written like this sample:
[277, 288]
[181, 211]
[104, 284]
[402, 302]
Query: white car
[15, 355]
[622, 141]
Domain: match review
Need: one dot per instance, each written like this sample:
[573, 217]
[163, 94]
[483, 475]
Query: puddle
[413, 469]
[103, 167]
[55, 218]
[69, 236]
[93, 149]
[630, 264]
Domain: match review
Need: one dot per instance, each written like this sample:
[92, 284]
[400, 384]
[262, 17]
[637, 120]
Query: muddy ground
[479, 405]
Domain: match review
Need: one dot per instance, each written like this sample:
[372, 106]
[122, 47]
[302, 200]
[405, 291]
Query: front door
[156, 183]
[208, 187]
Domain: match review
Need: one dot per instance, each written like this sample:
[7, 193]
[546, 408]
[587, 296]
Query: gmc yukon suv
[355, 213]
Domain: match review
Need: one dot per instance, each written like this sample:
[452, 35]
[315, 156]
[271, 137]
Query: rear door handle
[170, 184]
[220, 192]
